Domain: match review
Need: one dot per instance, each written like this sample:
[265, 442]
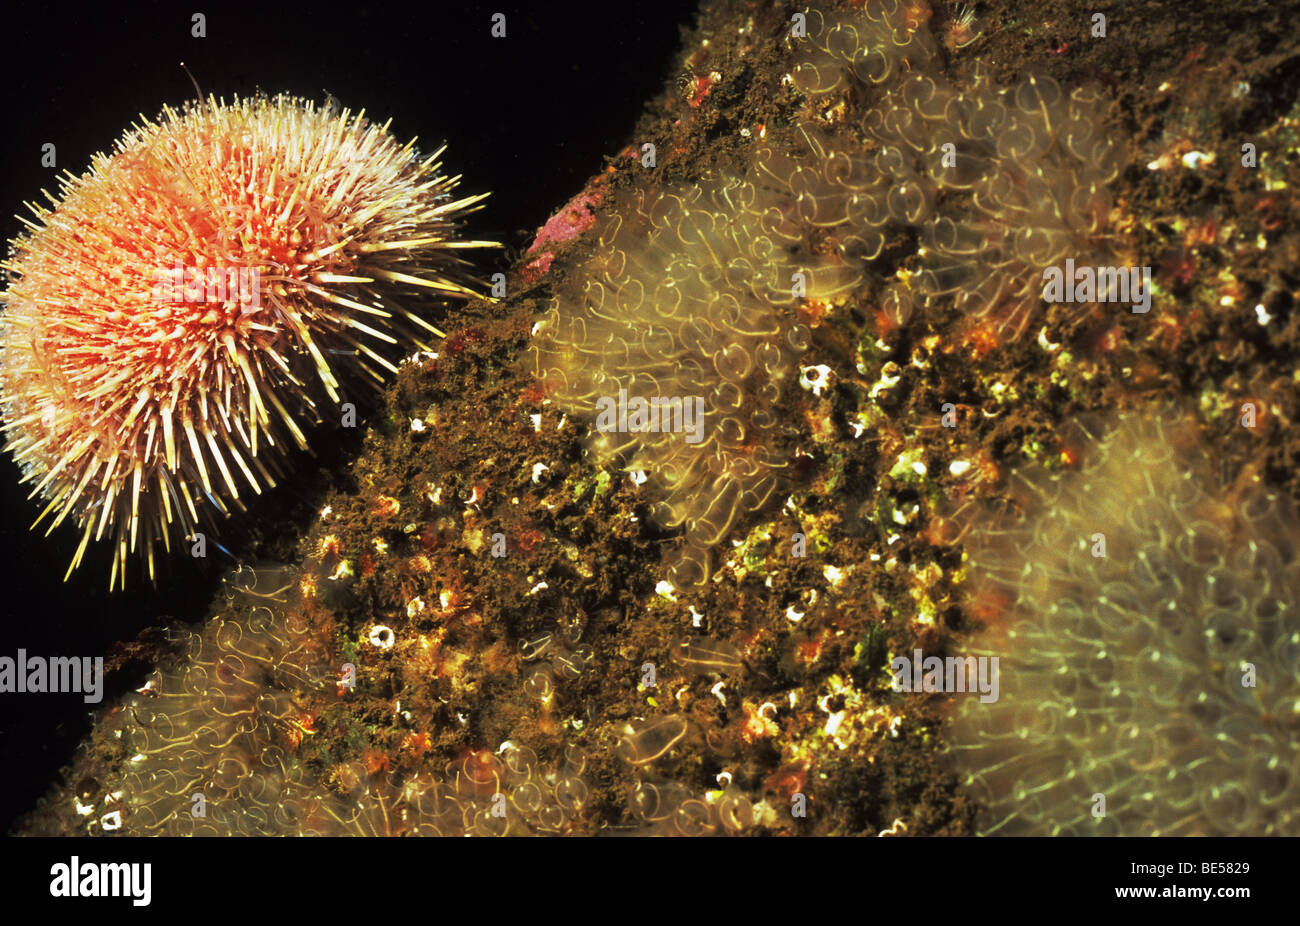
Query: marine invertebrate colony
[1150, 648]
[225, 740]
[694, 288]
[213, 745]
[1001, 183]
[222, 724]
[686, 301]
[173, 323]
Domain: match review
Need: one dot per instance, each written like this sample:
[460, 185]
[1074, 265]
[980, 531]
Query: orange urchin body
[171, 325]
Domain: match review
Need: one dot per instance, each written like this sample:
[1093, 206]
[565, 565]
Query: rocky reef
[553, 626]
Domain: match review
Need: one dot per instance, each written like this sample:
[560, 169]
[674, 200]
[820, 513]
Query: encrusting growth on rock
[696, 290]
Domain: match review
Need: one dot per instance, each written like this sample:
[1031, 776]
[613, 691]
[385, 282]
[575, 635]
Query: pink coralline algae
[572, 220]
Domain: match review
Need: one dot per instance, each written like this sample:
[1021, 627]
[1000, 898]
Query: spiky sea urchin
[176, 318]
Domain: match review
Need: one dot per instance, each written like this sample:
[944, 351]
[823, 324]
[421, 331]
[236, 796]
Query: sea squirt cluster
[695, 290]
[999, 182]
[1145, 616]
[210, 740]
[691, 295]
[213, 746]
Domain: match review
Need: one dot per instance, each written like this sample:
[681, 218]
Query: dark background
[529, 117]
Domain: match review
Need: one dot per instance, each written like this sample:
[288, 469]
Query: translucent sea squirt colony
[1150, 645]
[692, 289]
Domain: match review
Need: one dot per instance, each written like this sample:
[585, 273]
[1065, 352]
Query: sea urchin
[175, 320]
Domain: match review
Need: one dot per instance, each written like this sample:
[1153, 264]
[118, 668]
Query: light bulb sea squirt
[174, 322]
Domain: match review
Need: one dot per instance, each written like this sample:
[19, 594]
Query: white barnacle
[815, 378]
[382, 637]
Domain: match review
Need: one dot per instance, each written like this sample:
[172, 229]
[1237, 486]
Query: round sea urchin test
[176, 318]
